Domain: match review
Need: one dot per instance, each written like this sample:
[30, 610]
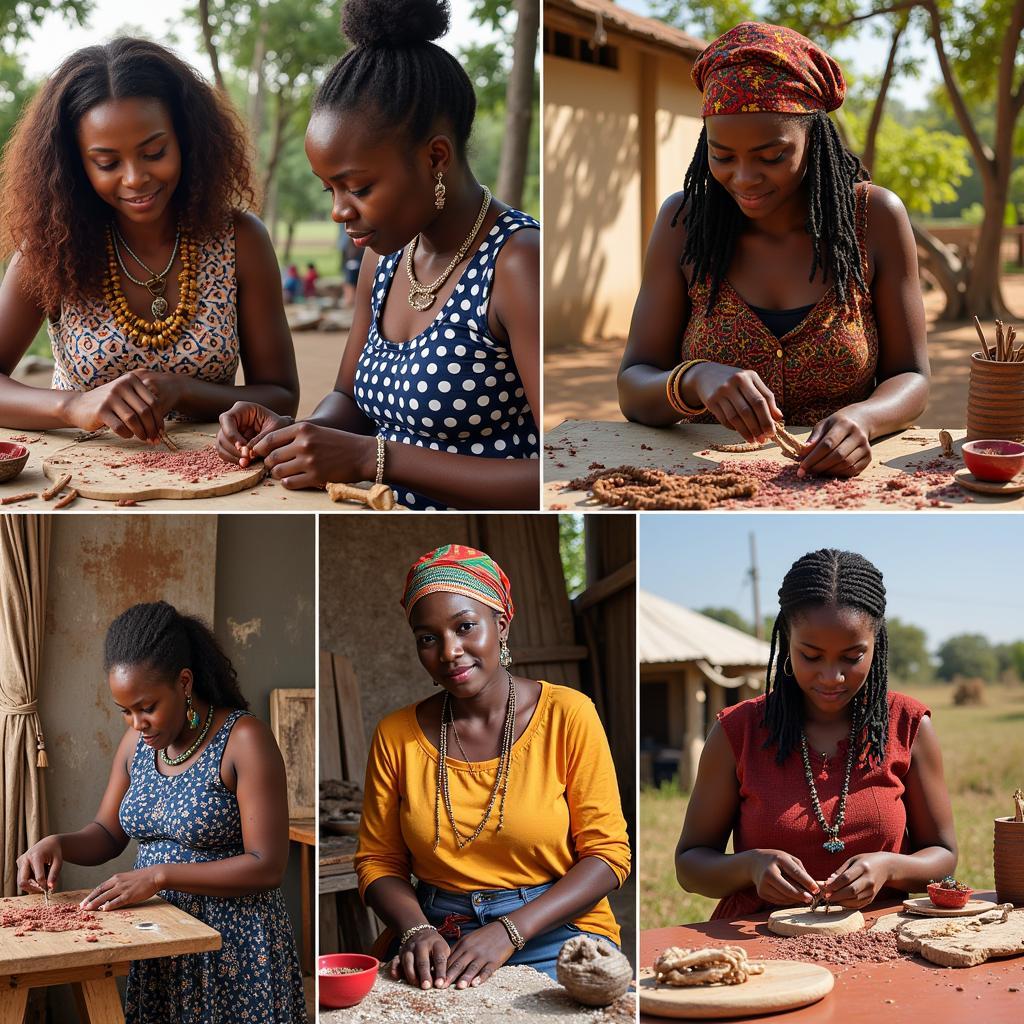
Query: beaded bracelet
[514, 935]
[379, 479]
[410, 932]
[674, 392]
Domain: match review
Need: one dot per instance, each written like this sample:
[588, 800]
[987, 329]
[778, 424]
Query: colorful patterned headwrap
[457, 569]
[755, 67]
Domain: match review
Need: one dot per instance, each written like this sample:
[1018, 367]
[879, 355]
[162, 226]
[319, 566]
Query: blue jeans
[457, 913]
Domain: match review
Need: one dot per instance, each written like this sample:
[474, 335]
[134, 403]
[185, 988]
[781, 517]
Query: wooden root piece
[1018, 800]
[981, 337]
[946, 440]
[689, 968]
[12, 498]
[53, 490]
[168, 443]
[379, 497]
[788, 443]
[67, 499]
[638, 488]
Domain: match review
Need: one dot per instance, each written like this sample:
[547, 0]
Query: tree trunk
[257, 82]
[983, 296]
[211, 47]
[945, 266]
[277, 141]
[288, 239]
[871, 137]
[519, 105]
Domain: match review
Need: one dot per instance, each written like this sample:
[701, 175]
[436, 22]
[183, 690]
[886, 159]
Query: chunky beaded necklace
[195, 746]
[832, 841]
[160, 333]
[500, 777]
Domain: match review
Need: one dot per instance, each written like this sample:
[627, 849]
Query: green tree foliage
[729, 617]
[1011, 659]
[969, 655]
[572, 549]
[908, 651]
[19, 17]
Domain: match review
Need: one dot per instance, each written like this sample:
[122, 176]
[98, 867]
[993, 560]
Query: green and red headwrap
[457, 569]
[756, 67]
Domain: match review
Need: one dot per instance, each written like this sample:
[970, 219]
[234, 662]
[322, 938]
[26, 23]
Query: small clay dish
[340, 990]
[994, 460]
[950, 898]
[13, 458]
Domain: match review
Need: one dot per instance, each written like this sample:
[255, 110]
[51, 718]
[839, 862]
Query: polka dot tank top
[454, 387]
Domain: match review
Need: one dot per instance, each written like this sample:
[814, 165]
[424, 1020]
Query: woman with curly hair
[124, 199]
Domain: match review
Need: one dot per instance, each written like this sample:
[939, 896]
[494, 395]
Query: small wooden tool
[379, 497]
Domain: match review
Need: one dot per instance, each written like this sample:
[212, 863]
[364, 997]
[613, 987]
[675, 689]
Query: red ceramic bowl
[12, 459]
[341, 990]
[951, 899]
[994, 460]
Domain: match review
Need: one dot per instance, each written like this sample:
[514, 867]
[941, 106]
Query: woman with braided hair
[498, 793]
[783, 279]
[199, 783]
[830, 783]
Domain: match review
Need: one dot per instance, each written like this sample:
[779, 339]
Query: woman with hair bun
[199, 783]
[124, 199]
[440, 376]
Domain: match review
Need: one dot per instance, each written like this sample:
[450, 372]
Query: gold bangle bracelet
[514, 935]
[380, 460]
[674, 389]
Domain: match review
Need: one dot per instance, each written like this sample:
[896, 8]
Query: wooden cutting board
[923, 905]
[155, 928]
[823, 921]
[785, 985]
[97, 469]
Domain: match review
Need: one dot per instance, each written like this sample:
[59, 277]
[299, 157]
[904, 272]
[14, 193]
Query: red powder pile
[193, 466]
[59, 917]
[856, 948]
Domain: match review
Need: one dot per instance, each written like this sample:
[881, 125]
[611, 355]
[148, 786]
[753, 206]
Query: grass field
[983, 755]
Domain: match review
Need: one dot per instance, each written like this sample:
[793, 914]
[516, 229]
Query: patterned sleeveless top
[775, 809]
[89, 349]
[826, 362]
[454, 387]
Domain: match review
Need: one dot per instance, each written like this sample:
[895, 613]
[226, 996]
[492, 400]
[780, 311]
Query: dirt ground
[579, 383]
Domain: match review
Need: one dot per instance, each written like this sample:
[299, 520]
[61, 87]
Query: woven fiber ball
[594, 973]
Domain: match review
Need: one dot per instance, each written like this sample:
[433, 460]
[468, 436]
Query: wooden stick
[12, 498]
[168, 443]
[981, 337]
[67, 499]
[51, 492]
[999, 340]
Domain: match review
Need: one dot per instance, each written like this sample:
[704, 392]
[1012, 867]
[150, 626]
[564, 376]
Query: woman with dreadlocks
[830, 783]
[199, 783]
[784, 281]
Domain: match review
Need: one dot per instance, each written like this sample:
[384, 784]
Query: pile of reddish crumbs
[193, 466]
[855, 948]
[60, 917]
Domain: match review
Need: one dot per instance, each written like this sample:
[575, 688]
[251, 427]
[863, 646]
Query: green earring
[190, 712]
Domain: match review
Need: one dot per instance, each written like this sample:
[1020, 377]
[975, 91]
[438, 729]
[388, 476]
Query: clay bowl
[13, 458]
[341, 990]
[951, 899]
[994, 460]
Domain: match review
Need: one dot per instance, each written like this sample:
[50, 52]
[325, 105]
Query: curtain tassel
[41, 759]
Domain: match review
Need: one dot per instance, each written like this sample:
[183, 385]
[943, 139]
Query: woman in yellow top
[517, 842]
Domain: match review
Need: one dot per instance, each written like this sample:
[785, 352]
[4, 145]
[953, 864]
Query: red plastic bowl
[994, 460]
[340, 990]
[952, 899]
[12, 459]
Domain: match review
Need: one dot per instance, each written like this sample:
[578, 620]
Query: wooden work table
[303, 832]
[38, 959]
[904, 990]
[576, 447]
[337, 870]
[266, 496]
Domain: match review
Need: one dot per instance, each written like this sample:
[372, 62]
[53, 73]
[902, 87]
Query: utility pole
[755, 586]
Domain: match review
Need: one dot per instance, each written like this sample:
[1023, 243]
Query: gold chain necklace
[191, 750]
[160, 333]
[422, 296]
[156, 285]
[500, 777]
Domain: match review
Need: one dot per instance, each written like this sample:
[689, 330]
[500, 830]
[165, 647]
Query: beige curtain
[24, 563]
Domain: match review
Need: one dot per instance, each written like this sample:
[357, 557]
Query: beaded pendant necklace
[500, 777]
[832, 841]
[195, 746]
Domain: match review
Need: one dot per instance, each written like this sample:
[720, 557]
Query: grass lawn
[983, 755]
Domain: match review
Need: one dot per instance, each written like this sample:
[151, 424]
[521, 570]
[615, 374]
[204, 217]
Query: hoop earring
[439, 192]
[504, 654]
[190, 712]
[787, 671]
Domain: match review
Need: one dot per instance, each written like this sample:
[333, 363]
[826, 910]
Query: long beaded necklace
[160, 333]
[500, 778]
[195, 746]
[832, 841]
[422, 296]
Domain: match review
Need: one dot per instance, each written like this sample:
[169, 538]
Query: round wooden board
[966, 479]
[785, 985]
[92, 476]
[803, 921]
[924, 906]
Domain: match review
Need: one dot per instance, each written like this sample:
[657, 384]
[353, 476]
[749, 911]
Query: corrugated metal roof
[668, 632]
[648, 29]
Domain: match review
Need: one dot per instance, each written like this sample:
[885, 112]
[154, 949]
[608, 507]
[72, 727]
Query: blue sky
[947, 574]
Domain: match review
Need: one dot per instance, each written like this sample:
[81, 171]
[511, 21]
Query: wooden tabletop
[904, 990]
[577, 447]
[302, 830]
[268, 496]
[152, 929]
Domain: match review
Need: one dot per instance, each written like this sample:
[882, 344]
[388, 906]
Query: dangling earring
[190, 712]
[785, 670]
[439, 192]
[504, 654]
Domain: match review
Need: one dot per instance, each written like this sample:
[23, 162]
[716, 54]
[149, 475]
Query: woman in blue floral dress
[200, 784]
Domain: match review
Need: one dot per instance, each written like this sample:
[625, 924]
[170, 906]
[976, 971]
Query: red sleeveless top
[775, 809]
[826, 362]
